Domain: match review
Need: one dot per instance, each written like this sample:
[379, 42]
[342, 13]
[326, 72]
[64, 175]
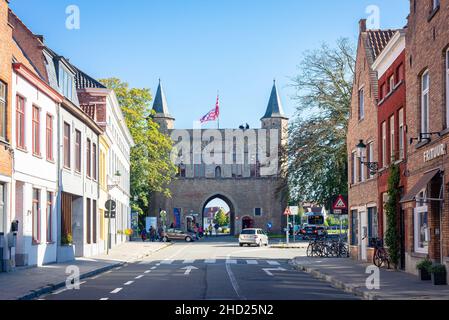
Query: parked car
[176, 234]
[256, 237]
[314, 231]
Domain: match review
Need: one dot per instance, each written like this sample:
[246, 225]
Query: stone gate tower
[249, 184]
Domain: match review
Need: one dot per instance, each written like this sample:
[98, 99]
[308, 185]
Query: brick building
[427, 74]
[5, 133]
[390, 69]
[362, 127]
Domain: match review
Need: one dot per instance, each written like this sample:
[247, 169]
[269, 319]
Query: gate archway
[229, 204]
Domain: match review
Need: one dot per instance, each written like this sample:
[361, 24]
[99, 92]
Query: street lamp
[115, 183]
[373, 167]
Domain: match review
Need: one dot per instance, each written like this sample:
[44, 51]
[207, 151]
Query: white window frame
[354, 167]
[384, 144]
[361, 103]
[425, 100]
[3, 97]
[447, 88]
[392, 139]
[391, 83]
[417, 212]
[401, 147]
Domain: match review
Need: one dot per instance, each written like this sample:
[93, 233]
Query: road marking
[189, 269]
[158, 264]
[153, 268]
[167, 261]
[60, 291]
[116, 290]
[210, 261]
[268, 271]
[138, 277]
[231, 261]
[148, 271]
[189, 261]
[96, 277]
[273, 263]
[104, 299]
[252, 262]
[118, 268]
[128, 283]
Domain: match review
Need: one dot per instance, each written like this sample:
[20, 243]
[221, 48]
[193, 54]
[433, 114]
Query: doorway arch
[228, 202]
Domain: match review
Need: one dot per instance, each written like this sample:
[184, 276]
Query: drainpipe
[59, 188]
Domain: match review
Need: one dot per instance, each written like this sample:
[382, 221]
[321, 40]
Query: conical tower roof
[274, 109]
[160, 105]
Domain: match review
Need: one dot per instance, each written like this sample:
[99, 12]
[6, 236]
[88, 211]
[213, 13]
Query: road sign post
[287, 213]
[110, 206]
[339, 207]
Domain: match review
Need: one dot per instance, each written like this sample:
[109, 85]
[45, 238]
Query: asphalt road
[207, 270]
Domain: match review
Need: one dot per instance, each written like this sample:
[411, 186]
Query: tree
[151, 167]
[317, 153]
[391, 209]
[221, 218]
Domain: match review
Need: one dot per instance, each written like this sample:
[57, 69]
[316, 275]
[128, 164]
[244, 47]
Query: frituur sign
[435, 152]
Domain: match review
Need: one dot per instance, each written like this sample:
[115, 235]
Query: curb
[338, 284]
[53, 287]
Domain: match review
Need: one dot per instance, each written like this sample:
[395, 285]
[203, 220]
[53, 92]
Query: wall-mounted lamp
[373, 167]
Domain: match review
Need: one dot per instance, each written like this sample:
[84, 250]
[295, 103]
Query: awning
[420, 185]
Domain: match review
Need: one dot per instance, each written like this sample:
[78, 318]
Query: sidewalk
[29, 283]
[350, 276]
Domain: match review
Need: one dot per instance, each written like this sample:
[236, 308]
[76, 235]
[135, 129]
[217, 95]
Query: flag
[214, 114]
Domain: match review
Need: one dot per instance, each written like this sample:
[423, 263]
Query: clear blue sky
[198, 47]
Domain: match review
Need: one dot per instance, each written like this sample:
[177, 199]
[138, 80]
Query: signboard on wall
[150, 221]
[177, 216]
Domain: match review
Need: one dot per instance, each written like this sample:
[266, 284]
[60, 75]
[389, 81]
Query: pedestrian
[152, 234]
[210, 229]
[160, 233]
[143, 234]
[172, 226]
[216, 229]
[201, 231]
[195, 230]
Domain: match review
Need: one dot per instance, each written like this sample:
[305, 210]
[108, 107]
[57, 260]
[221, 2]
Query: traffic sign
[294, 211]
[287, 212]
[338, 211]
[110, 205]
[340, 204]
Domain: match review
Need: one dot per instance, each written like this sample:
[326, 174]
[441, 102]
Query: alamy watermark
[73, 20]
[373, 19]
[373, 280]
[72, 282]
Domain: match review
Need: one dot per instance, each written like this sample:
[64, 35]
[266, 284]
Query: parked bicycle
[323, 247]
[381, 256]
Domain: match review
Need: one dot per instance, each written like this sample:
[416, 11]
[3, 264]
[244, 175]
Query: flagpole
[218, 118]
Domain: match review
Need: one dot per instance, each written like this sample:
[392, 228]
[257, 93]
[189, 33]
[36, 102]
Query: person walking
[143, 234]
[152, 234]
[210, 229]
[160, 233]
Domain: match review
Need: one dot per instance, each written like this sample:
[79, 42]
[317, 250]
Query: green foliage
[438, 268]
[424, 264]
[221, 218]
[66, 240]
[151, 167]
[391, 209]
[317, 165]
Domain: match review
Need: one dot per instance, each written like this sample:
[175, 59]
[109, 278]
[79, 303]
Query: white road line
[104, 299]
[273, 263]
[60, 291]
[167, 261]
[252, 262]
[153, 268]
[116, 290]
[138, 277]
[158, 264]
[189, 261]
[128, 283]
[210, 261]
[148, 271]
[231, 261]
[118, 268]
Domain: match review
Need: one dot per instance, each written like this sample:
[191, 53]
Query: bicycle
[381, 256]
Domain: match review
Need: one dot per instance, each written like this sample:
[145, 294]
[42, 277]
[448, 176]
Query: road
[215, 269]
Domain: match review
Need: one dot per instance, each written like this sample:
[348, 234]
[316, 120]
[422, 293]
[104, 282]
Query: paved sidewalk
[29, 283]
[350, 276]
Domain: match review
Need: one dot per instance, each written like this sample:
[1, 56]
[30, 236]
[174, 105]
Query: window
[383, 91]
[447, 89]
[354, 167]
[401, 135]
[102, 168]
[392, 140]
[373, 227]
[3, 92]
[218, 172]
[88, 222]
[391, 84]
[78, 151]
[425, 82]
[354, 228]
[20, 122]
[94, 224]
[88, 158]
[361, 170]
[49, 137]
[435, 4]
[400, 73]
[65, 83]
[2, 207]
[94, 161]
[257, 212]
[384, 144]
[36, 213]
[35, 131]
[370, 153]
[421, 230]
[66, 145]
[49, 217]
[361, 104]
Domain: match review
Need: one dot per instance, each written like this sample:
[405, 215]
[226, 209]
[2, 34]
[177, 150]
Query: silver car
[253, 236]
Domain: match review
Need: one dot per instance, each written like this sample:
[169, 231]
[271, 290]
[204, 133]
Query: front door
[402, 238]
[363, 240]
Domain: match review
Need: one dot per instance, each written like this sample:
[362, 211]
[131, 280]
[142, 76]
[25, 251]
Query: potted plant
[439, 275]
[424, 267]
[67, 240]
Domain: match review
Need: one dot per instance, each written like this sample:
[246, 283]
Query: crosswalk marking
[210, 261]
[128, 283]
[231, 261]
[138, 277]
[148, 271]
[189, 261]
[273, 263]
[116, 290]
[104, 299]
[168, 261]
[252, 262]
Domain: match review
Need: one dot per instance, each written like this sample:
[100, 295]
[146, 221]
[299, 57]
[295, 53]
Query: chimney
[40, 38]
[362, 25]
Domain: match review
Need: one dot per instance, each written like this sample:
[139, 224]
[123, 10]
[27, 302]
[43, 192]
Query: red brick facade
[427, 41]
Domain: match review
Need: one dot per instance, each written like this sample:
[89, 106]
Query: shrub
[424, 264]
[66, 240]
[438, 268]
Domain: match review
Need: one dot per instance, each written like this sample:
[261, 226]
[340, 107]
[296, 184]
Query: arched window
[182, 171]
[218, 172]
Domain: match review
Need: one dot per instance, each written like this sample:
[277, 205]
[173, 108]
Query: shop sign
[435, 152]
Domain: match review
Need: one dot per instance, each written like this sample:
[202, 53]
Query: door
[402, 238]
[2, 208]
[363, 235]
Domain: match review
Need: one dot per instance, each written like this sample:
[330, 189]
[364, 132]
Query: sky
[199, 47]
